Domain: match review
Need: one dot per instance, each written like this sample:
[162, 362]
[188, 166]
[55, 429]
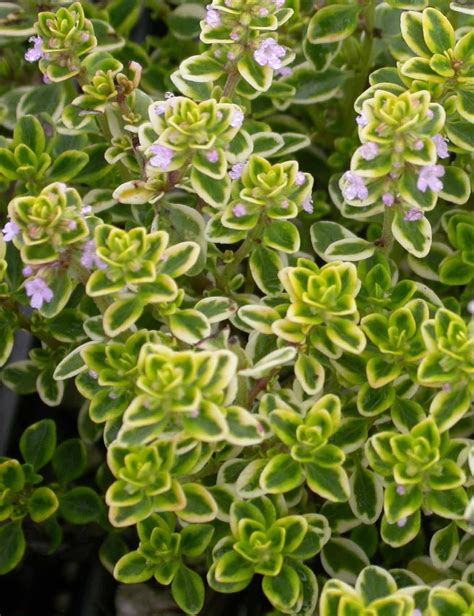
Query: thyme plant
[247, 246]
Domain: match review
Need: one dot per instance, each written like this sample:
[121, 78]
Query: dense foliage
[247, 243]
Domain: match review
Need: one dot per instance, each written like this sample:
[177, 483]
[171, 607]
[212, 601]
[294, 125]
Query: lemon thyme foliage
[246, 248]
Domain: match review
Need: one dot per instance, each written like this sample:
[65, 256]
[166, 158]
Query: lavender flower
[441, 146]
[300, 178]
[413, 215]
[89, 257]
[237, 118]
[285, 71]
[429, 178]
[38, 292]
[10, 230]
[353, 187]
[430, 114]
[279, 3]
[36, 52]
[369, 150]
[263, 12]
[162, 156]
[160, 108]
[234, 36]
[86, 209]
[239, 210]
[401, 522]
[236, 172]
[401, 490]
[269, 53]
[213, 19]
[308, 205]
[362, 120]
[213, 156]
[388, 199]
[418, 145]
[27, 271]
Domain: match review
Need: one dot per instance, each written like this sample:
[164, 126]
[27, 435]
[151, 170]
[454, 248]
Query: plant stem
[232, 80]
[385, 242]
[364, 66]
[243, 251]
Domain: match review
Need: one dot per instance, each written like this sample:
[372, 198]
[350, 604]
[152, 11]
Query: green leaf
[344, 559]
[230, 568]
[42, 504]
[67, 165]
[189, 325]
[8, 164]
[272, 360]
[179, 259]
[448, 407]
[38, 442]
[70, 460]
[61, 284]
[281, 475]
[21, 376]
[213, 192]
[398, 504]
[456, 186]
[330, 483]
[72, 364]
[414, 236]
[372, 402]
[333, 242]
[133, 568]
[50, 391]
[411, 24]
[283, 589]
[267, 143]
[121, 315]
[449, 504]
[184, 20]
[446, 602]
[366, 497]
[346, 334]
[201, 68]
[312, 87]
[216, 309]
[375, 583]
[81, 505]
[437, 31]
[282, 235]
[184, 223]
[398, 535]
[13, 545]
[310, 374]
[453, 271]
[265, 265]
[187, 590]
[195, 538]
[200, 506]
[209, 425]
[259, 77]
[444, 546]
[333, 23]
[28, 131]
